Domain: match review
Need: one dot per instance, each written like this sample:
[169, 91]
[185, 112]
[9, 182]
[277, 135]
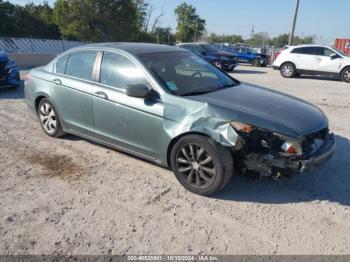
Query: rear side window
[81, 64]
[119, 71]
[61, 64]
[304, 50]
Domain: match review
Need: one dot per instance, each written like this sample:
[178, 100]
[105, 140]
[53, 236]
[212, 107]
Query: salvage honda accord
[169, 106]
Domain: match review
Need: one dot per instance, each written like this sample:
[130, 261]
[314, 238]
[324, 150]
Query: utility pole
[291, 36]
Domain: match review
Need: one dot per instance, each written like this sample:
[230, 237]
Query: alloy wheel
[347, 75]
[218, 65]
[48, 118]
[195, 166]
[287, 70]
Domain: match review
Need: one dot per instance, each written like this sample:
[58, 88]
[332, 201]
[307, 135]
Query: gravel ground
[71, 196]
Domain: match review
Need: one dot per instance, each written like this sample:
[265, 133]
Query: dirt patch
[57, 165]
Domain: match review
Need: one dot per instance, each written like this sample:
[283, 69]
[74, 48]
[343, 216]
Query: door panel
[74, 104]
[72, 86]
[326, 64]
[324, 61]
[305, 62]
[132, 123]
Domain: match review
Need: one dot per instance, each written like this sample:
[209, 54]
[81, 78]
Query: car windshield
[252, 51]
[183, 73]
[209, 48]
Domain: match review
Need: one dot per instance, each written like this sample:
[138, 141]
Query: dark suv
[245, 54]
[220, 59]
[9, 72]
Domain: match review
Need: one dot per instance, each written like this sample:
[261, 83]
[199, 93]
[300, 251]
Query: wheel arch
[288, 62]
[342, 71]
[174, 140]
[38, 98]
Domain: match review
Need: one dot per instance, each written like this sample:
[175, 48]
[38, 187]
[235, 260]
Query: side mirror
[333, 56]
[140, 91]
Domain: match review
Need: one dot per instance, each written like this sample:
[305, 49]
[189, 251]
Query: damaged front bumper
[276, 165]
[321, 156]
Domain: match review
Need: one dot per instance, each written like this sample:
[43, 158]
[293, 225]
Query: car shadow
[11, 93]
[247, 72]
[330, 183]
[312, 77]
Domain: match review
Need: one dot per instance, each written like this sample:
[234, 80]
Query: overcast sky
[328, 19]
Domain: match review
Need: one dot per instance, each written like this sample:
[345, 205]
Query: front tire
[48, 119]
[201, 165]
[345, 76]
[288, 70]
[218, 65]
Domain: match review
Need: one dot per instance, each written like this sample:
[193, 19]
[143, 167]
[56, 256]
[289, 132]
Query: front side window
[61, 64]
[324, 51]
[119, 71]
[196, 49]
[183, 73]
[209, 48]
[81, 64]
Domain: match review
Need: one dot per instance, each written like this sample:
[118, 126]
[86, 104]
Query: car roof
[204, 43]
[135, 48]
[297, 46]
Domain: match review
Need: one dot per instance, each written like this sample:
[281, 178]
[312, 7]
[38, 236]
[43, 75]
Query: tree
[230, 39]
[98, 20]
[28, 21]
[164, 35]
[190, 26]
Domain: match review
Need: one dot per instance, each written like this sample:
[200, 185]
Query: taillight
[26, 78]
[277, 54]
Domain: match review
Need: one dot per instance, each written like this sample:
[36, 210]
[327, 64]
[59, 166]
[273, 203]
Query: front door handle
[101, 94]
[57, 81]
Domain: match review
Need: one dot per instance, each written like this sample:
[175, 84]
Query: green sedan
[168, 106]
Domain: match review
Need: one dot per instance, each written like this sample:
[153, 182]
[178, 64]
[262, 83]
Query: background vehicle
[313, 60]
[220, 59]
[169, 106]
[9, 72]
[245, 54]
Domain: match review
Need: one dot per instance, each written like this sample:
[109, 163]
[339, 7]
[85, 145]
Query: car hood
[266, 109]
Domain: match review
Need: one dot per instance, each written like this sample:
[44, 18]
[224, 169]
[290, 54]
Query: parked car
[220, 59]
[246, 54]
[171, 107]
[9, 72]
[313, 60]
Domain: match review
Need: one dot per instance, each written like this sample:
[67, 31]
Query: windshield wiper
[201, 92]
[197, 93]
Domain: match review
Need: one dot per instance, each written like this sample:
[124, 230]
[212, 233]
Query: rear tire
[288, 70]
[345, 75]
[48, 119]
[201, 165]
[256, 62]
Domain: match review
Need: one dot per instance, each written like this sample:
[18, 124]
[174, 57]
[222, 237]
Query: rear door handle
[57, 81]
[101, 94]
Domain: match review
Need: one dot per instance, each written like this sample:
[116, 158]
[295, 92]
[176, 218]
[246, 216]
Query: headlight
[224, 58]
[245, 128]
[291, 146]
